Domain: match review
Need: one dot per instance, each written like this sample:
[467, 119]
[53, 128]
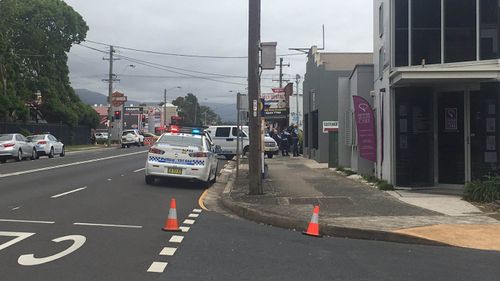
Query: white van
[225, 137]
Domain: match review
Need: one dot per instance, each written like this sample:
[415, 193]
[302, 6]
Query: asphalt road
[108, 228]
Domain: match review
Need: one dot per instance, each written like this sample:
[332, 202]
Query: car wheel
[19, 155]
[51, 153]
[270, 155]
[149, 179]
[245, 150]
[62, 152]
[215, 174]
[34, 155]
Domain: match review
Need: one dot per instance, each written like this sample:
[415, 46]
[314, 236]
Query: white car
[225, 137]
[47, 145]
[132, 137]
[15, 146]
[187, 155]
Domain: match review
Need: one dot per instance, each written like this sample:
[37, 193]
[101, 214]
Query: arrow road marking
[29, 259]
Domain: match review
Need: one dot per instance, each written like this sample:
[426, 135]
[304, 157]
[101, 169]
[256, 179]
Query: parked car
[101, 136]
[132, 137]
[225, 137]
[15, 146]
[190, 155]
[47, 145]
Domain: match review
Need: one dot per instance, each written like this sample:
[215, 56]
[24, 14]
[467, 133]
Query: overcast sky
[212, 28]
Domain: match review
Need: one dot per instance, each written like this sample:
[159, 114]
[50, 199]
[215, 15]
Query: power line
[183, 55]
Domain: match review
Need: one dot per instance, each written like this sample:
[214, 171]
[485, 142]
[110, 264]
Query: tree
[194, 114]
[35, 37]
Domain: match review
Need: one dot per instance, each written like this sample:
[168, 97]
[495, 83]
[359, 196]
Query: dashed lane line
[184, 228]
[107, 225]
[197, 210]
[157, 267]
[168, 251]
[193, 215]
[69, 192]
[69, 164]
[176, 239]
[188, 221]
[27, 221]
[138, 170]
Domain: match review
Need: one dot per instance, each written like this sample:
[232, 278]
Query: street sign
[117, 98]
[330, 126]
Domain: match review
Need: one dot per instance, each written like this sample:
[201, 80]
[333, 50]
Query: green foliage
[194, 114]
[371, 178]
[345, 171]
[35, 37]
[485, 190]
[384, 185]
[24, 132]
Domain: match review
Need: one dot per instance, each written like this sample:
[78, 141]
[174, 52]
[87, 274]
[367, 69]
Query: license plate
[174, 171]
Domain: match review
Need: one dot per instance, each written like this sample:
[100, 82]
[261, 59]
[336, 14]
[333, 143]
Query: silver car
[47, 145]
[15, 146]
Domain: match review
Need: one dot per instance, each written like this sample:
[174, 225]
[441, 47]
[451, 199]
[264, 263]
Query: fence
[68, 135]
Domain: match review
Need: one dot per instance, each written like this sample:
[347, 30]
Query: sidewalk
[356, 210]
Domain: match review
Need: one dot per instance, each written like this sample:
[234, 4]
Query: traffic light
[117, 115]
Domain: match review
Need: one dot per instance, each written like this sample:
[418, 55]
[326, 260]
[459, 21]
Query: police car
[186, 153]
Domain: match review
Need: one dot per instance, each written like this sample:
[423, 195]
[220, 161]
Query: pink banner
[365, 125]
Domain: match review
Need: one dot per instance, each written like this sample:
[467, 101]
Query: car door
[225, 140]
[56, 144]
[212, 157]
[26, 150]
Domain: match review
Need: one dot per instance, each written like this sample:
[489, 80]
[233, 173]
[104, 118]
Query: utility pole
[110, 92]
[165, 109]
[281, 71]
[297, 78]
[255, 151]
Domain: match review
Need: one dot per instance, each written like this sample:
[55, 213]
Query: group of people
[287, 139]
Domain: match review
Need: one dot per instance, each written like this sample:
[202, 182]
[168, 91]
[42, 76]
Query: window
[460, 30]
[179, 140]
[235, 132]
[19, 138]
[490, 29]
[401, 33]
[222, 132]
[381, 59]
[381, 20]
[426, 32]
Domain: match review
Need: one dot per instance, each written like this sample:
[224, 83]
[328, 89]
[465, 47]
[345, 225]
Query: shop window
[460, 30]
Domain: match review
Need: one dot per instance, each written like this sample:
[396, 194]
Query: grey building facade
[320, 96]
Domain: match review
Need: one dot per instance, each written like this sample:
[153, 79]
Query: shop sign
[365, 125]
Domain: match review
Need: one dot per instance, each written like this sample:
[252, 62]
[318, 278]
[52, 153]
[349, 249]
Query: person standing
[285, 143]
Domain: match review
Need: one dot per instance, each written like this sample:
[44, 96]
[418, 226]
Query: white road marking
[157, 267]
[110, 179]
[184, 228]
[16, 208]
[107, 225]
[176, 239]
[28, 221]
[138, 170]
[68, 165]
[69, 192]
[20, 236]
[188, 222]
[197, 210]
[29, 259]
[168, 251]
[193, 215]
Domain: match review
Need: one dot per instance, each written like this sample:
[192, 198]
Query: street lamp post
[165, 104]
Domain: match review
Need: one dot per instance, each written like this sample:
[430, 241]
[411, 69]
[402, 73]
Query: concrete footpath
[352, 209]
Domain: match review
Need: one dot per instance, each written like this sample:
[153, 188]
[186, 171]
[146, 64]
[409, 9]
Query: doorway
[451, 141]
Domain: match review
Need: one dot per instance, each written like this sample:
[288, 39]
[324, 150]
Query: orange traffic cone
[171, 223]
[313, 228]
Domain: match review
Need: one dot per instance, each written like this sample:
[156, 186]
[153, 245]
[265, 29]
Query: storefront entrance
[450, 138]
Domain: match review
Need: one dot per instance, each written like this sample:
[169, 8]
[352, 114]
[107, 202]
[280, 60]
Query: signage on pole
[365, 125]
[330, 126]
[275, 104]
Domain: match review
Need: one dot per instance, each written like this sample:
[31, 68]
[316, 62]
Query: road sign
[330, 126]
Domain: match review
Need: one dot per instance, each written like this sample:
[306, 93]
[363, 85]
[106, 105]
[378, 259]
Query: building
[359, 83]
[437, 90]
[320, 96]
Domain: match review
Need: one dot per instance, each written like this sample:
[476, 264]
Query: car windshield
[36, 137]
[7, 137]
[180, 140]
[127, 132]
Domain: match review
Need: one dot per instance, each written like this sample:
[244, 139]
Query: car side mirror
[218, 149]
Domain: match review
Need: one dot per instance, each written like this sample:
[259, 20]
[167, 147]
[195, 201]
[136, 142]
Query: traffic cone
[313, 228]
[171, 223]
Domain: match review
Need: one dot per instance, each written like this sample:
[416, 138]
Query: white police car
[183, 153]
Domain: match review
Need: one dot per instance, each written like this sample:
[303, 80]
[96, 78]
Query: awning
[477, 71]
